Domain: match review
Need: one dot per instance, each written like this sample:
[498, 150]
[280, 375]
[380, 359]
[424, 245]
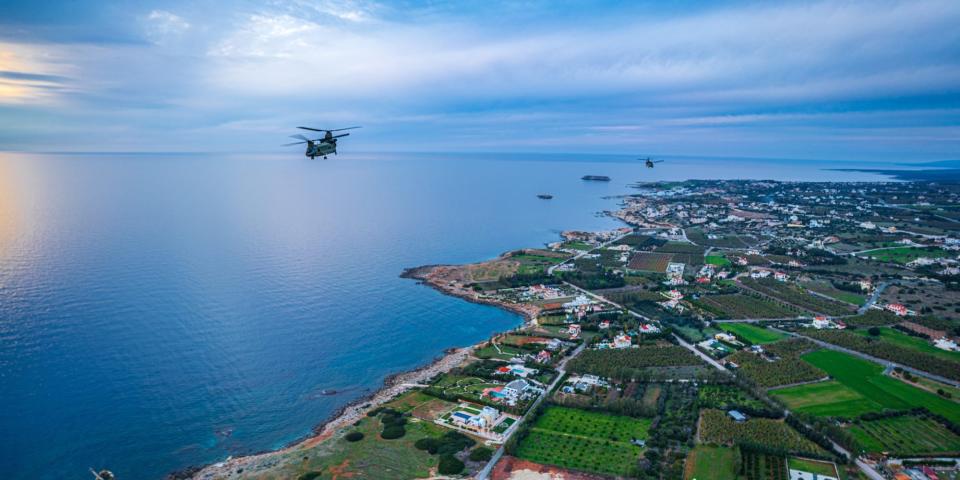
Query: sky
[853, 80]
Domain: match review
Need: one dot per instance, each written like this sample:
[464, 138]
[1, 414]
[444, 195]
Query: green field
[904, 254]
[718, 260]
[711, 463]
[867, 379]
[752, 333]
[506, 352]
[897, 337]
[826, 399]
[535, 264]
[905, 435]
[584, 440]
[812, 466]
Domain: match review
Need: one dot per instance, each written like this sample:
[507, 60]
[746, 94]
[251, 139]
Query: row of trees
[629, 363]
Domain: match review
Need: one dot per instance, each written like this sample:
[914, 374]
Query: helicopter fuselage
[320, 149]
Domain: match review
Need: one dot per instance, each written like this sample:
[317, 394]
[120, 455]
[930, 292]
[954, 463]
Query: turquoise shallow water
[162, 311]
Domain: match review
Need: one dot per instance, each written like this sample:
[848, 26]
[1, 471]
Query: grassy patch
[718, 260]
[370, 457]
[812, 466]
[711, 463]
[867, 379]
[752, 333]
[826, 399]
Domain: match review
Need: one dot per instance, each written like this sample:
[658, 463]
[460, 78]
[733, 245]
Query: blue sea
[162, 311]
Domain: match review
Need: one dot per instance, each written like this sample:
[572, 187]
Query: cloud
[162, 26]
[611, 76]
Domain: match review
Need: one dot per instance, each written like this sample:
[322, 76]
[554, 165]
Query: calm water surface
[159, 311]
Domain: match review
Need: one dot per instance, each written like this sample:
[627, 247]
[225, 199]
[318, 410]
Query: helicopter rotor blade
[291, 144]
[312, 129]
[341, 129]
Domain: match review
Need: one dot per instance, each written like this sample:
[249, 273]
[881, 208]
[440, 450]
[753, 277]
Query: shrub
[449, 465]
[481, 454]
[310, 476]
[391, 432]
[354, 437]
[429, 444]
[874, 332]
[453, 442]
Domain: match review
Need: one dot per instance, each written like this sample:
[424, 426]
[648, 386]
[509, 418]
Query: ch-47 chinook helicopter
[320, 147]
[650, 162]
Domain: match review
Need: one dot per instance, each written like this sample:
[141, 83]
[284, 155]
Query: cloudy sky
[833, 80]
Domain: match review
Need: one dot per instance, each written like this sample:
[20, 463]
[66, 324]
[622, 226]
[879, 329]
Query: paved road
[873, 297]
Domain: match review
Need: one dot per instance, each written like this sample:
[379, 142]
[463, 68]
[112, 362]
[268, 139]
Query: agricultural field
[901, 339]
[872, 318]
[583, 440]
[762, 466]
[726, 397]
[826, 399]
[683, 252]
[788, 369]
[886, 350]
[722, 241]
[867, 379]
[741, 306]
[903, 255]
[716, 427]
[826, 288]
[905, 435]
[631, 361]
[711, 463]
[681, 247]
[795, 295]
[650, 262]
[751, 333]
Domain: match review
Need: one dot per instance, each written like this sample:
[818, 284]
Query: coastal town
[728, 330]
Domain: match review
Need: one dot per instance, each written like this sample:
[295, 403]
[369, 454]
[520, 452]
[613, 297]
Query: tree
[393, 431]
[874, 332]
[449, 465]
[481, 454]
[354, 437]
